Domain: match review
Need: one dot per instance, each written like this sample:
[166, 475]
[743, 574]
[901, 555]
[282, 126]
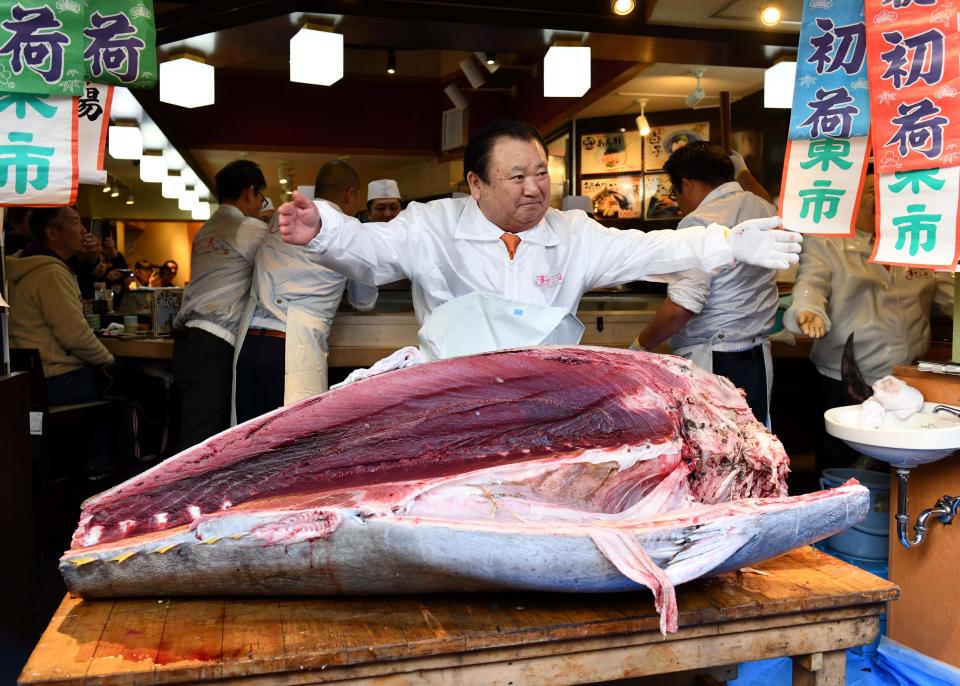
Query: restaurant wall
[161, 241]
[427, 179]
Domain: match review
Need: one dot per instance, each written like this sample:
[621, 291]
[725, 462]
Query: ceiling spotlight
[129, 198]
[770, 13]
[697, 94]
[456, 96]
[115, 191]
[283, 174]
[107, 188]
[643, 126]
[490, 58]
[473, 74]
[391, 62]
[623, 7]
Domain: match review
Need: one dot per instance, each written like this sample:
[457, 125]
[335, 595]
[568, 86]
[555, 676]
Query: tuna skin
[575, 469]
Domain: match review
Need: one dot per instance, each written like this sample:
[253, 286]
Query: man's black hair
[476, 158]
[41, 218]
[700, 161]
[237, 177]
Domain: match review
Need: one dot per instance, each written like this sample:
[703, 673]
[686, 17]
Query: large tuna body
[558, 469]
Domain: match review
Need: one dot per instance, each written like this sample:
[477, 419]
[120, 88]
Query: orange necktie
[511, 240]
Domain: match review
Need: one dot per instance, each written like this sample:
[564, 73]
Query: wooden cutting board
[309, 640]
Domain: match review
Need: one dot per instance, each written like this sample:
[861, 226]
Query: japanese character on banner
[822, 183]
[120, 43]
[831, 96]
[917, 218]
[93, 116]
[38, 149]
[40, 46]
[914, 71]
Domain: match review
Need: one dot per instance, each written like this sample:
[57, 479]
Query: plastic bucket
[869, 539]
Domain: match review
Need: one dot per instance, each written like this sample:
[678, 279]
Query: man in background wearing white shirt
[383, 200]
[283, 357]
[720, 322]
[206, 327]
[505, 243]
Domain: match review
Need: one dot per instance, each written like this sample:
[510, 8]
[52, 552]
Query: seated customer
[45, 308]
[163, 277]
[143, 271]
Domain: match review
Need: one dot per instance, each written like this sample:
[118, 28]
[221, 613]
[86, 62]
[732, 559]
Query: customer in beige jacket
[46, 311]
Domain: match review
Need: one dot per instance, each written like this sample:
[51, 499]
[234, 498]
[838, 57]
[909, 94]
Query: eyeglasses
[674, 193]
[264, 201]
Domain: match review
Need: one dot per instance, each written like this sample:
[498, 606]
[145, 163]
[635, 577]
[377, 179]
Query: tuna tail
[854, 388]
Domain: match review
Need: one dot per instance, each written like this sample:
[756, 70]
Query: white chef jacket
[285, 275]
[448, 248]
[735, 307]
[887, 309]
[221, 269]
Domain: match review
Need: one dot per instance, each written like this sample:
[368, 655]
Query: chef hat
[577, 202]
[382, 188]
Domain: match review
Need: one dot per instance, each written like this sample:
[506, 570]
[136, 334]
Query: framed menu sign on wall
[610, 153]
[664, 140]
[620, 197]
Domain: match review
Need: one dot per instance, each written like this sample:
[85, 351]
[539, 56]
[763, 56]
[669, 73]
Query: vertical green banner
[41, 46]
[120, 43]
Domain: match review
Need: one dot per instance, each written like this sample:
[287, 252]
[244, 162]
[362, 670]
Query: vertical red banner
[913, 63]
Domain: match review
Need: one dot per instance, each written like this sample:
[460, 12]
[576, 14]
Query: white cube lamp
[125, 142]
[316, 56]
[186, 81]
[152, 167]
[566, 71]
[172, 187]
[778, 83]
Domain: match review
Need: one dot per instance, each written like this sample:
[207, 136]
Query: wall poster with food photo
[610, 153]
[664, 140]
[619, 197]
[657, 201]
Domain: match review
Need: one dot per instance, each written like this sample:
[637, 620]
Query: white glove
[754, 242]
[739, 166]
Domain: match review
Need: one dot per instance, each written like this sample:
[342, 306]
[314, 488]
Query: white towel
[871, 414]
[404, 357]
[897, 397]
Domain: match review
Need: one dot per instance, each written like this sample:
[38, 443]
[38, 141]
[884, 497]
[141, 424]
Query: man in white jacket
[283, 357]
[837, 292]
[214, 302]
[506, 242]
[721, 322]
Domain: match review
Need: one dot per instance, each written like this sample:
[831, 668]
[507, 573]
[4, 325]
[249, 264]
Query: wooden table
[804, 604]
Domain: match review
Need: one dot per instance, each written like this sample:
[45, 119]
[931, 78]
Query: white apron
[479, 323]
[305, 360]
[701, 354]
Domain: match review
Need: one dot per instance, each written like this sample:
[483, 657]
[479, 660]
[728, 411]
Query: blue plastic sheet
[892, 665]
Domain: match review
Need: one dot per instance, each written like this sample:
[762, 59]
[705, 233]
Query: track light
[697, 94]
[643, 126]
[456, 96]
[391, 62]
[129, 198]
[107, 188]
[473, 74]
[770, 13]
[623, 7]
[283, 173]
[490, 58]
[115, 191]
